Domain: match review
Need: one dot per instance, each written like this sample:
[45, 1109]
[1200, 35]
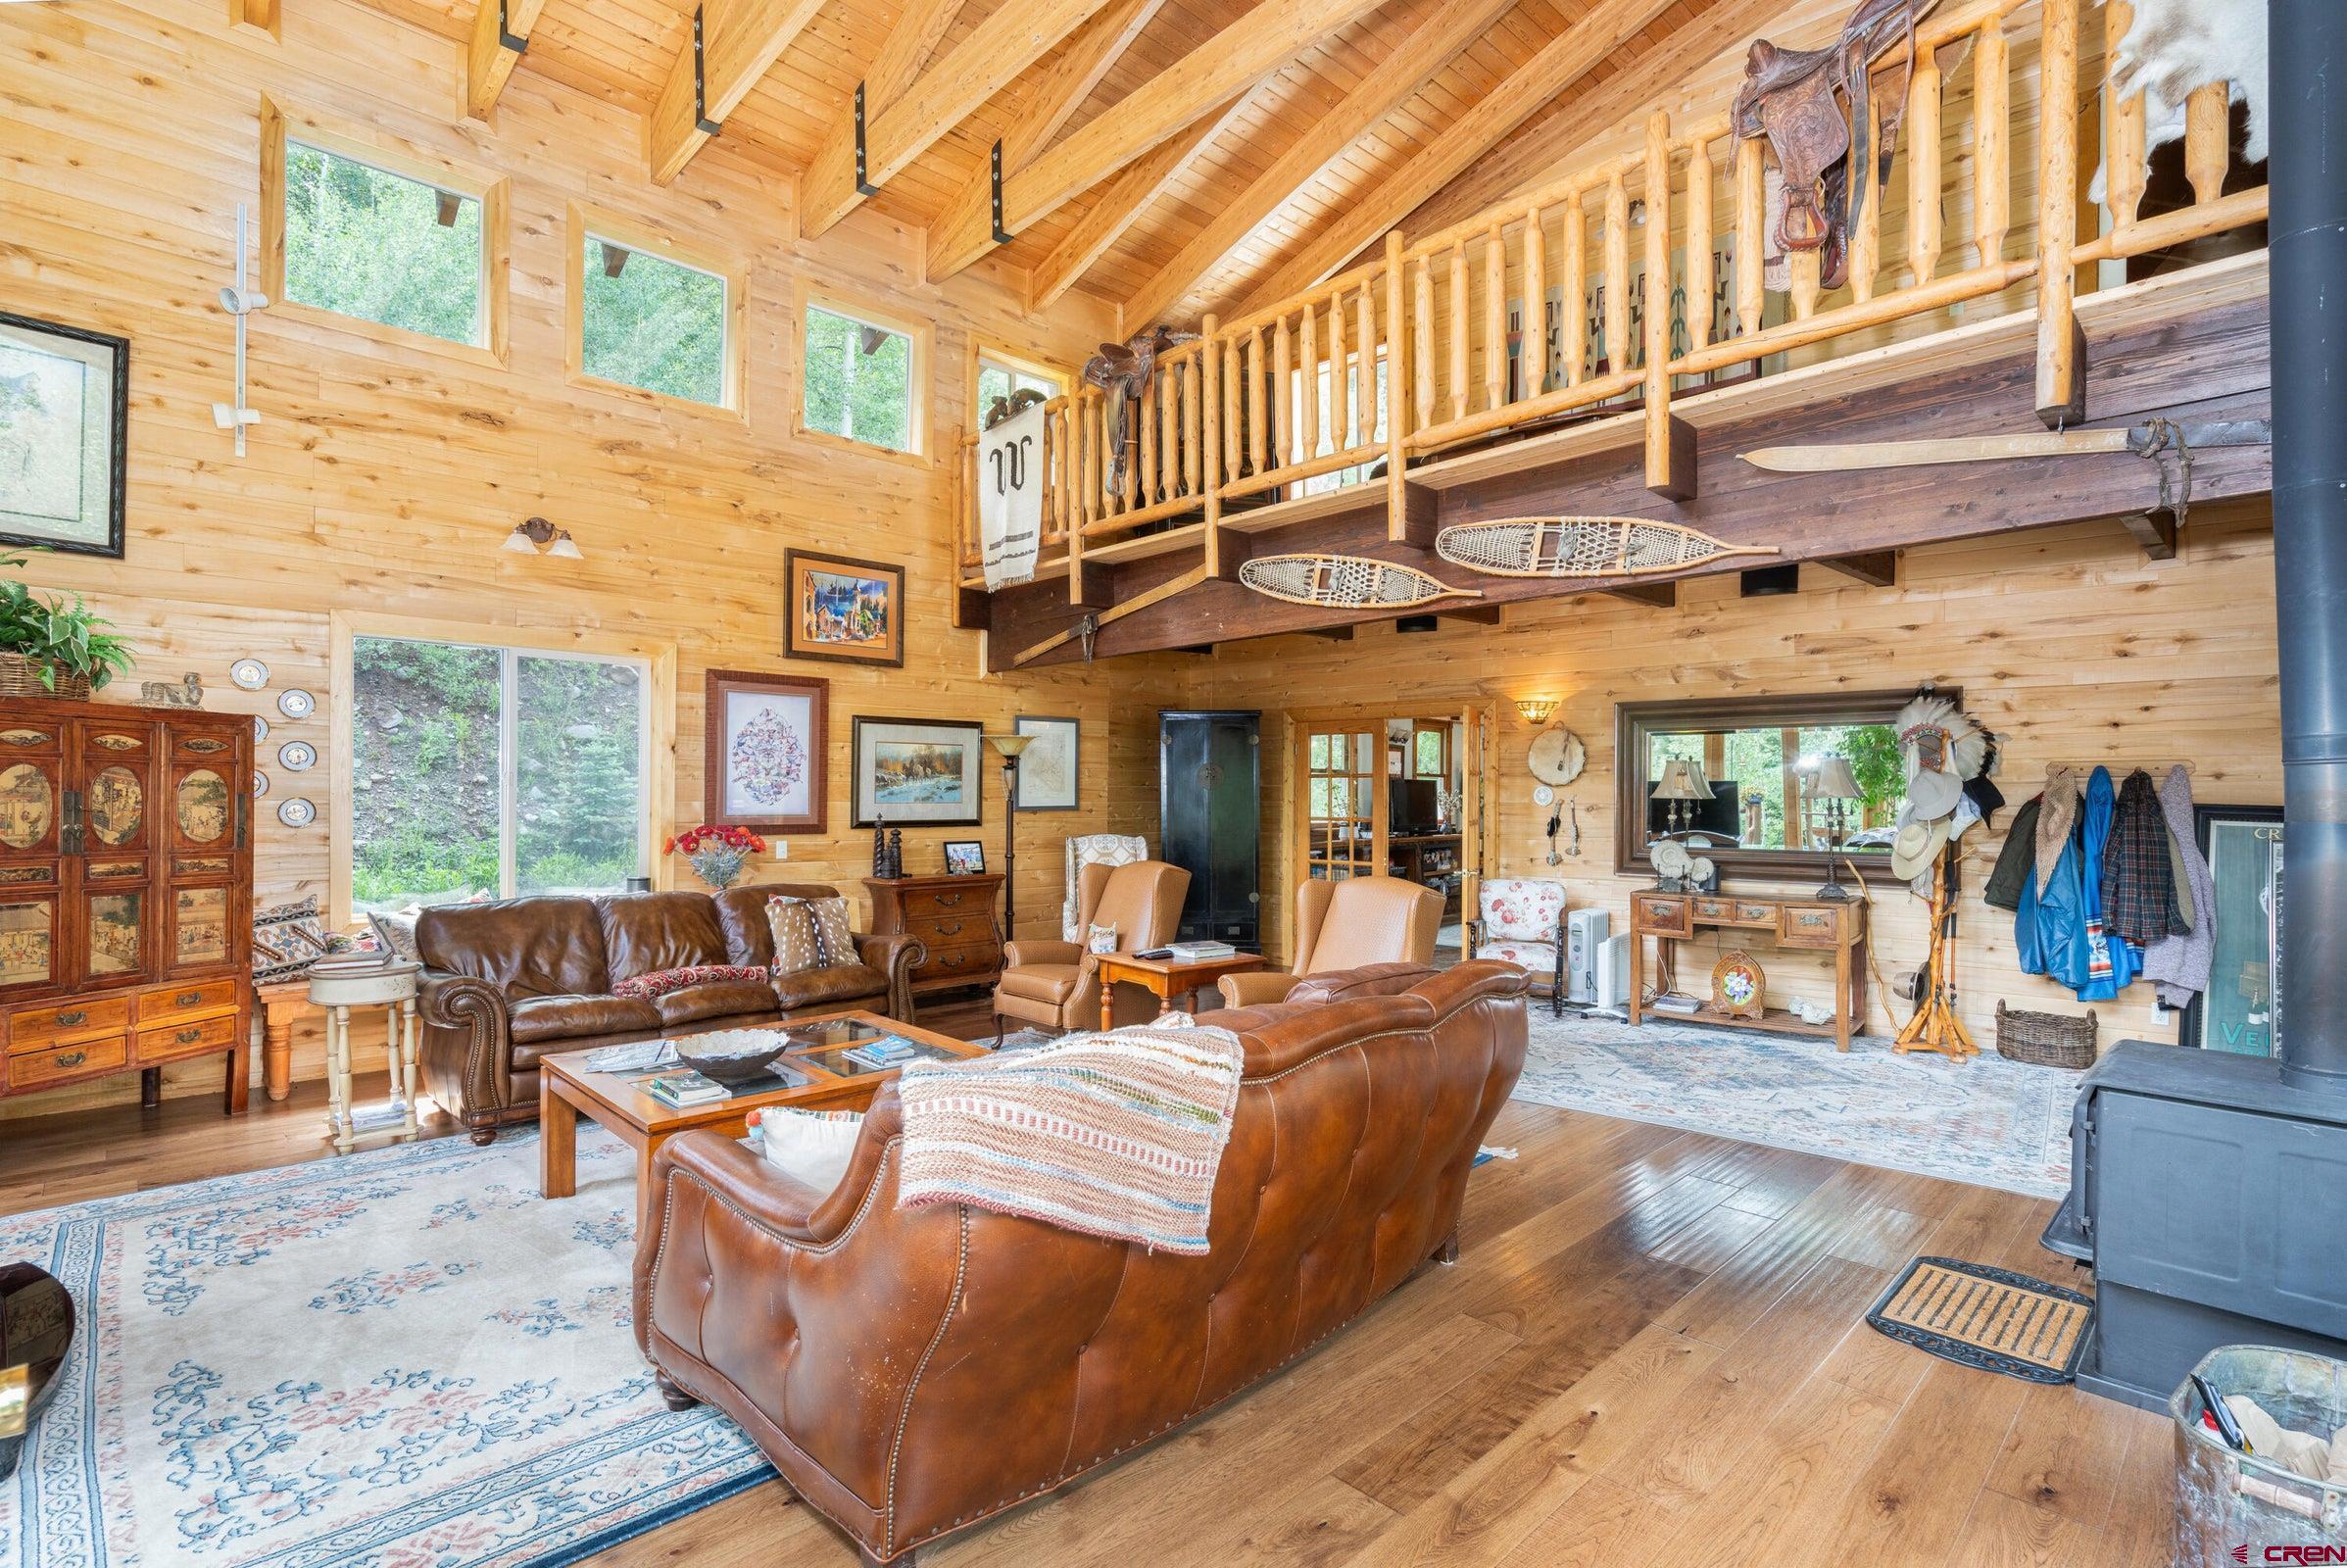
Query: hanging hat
[1984, 793]
[1933, 793]
[2056, 818]
[1915, 849]
[1965, 818]
[1934, 734]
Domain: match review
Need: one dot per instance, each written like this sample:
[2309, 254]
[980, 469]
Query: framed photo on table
[964, 857]
[848, 611]
[918, 772]
[765, 758]
[2241, 1009]
[1048, 770]
[64, 425]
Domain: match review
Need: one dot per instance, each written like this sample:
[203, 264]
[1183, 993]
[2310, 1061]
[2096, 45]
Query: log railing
[1418, 350]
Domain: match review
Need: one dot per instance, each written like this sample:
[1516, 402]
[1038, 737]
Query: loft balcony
[2018, 272]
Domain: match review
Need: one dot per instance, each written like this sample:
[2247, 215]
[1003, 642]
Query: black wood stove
[2210, 1191]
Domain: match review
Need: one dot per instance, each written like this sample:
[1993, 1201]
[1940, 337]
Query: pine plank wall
[385, 478]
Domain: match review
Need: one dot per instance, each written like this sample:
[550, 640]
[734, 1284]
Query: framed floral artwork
[765, 761]
[64, 422]
[917, 772]
[851, 612]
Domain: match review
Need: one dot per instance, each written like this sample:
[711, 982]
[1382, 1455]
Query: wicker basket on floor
[2045, 1038]
[21, 677]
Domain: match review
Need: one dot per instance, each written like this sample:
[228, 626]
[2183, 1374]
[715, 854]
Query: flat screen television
[1410, 807]
[1719, 817]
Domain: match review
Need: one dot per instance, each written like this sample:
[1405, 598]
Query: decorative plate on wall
[296, 812]
[1542, 795]
[260, 729]
[295, 703]
[297, 756]
[1557, 755]
[250, 673]
[260, 784]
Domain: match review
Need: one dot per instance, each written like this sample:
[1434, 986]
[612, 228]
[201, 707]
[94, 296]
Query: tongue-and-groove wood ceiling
[1363, 111]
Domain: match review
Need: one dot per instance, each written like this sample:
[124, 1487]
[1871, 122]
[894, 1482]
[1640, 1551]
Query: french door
[1343, 800]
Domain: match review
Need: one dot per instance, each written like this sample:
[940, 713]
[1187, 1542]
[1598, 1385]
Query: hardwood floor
[1651, 1352]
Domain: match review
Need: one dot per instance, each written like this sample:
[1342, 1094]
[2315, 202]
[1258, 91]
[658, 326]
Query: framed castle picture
[850, 612]
[64, 420]
[765, 761]
[917, 772]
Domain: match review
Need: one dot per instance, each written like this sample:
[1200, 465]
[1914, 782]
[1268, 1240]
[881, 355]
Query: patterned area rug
[403, 1357]
[1989, 1121]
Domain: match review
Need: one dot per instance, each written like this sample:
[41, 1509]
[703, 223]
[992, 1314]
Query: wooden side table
[391, 987]
[282, 1004]
[1166, 978]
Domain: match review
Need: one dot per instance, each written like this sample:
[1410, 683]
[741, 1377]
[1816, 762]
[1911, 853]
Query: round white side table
[391, 986]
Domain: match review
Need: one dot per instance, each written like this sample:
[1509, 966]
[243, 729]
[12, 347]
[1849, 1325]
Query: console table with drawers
[953, 916]
[1747, 919]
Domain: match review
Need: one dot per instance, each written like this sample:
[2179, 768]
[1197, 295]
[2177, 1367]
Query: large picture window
[489, 772]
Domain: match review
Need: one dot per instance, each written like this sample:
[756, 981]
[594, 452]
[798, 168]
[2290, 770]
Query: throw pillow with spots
[809, 934]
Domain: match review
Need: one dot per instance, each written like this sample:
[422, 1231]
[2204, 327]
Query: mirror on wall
[1766, 785]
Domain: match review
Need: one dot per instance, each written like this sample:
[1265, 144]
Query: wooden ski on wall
[2143, 440]
[1346, 582]
[1091, 624]
[1583, 547]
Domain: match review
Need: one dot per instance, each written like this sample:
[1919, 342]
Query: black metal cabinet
[1209, 819]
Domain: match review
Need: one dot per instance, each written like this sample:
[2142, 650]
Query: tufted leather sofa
[506, 984]
[911, 1373]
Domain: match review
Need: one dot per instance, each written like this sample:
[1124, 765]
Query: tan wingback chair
[1056, 984]
[1346, 925]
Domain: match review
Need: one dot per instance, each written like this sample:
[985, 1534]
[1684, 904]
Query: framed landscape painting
[1047, 768]
[852, 611]
[917, 772]
[764, 756]
[64, 420]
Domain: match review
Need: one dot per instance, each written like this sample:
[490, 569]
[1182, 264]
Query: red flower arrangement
[718, 852]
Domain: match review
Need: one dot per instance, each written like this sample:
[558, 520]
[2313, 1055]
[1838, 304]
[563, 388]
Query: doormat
[1988, 1319]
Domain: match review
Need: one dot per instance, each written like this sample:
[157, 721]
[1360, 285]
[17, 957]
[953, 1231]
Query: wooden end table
[1166, 978]
[569, 1088]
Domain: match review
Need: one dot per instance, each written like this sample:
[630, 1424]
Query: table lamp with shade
[1682, 781]
[1835, 784]
[1010, 746]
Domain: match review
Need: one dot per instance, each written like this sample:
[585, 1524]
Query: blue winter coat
[2125, 959]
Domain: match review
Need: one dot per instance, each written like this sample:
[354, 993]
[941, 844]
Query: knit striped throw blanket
[1116, 1135]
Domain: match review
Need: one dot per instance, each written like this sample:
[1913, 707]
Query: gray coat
[2180, 965]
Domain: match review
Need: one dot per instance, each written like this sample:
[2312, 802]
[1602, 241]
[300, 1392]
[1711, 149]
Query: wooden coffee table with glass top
[813, 1076]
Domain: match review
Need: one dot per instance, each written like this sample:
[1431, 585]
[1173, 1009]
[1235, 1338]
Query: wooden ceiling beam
[1565, 59]
[501, 29]
[1877, 569]
[1551, 143]
[899, 127]
[1238, 57]
[1065, 83]
[738, 40]
[1121, 202]
[1427, 49]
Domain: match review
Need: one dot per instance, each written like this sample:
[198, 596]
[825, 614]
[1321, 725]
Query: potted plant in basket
[717, 853]
[57, 647]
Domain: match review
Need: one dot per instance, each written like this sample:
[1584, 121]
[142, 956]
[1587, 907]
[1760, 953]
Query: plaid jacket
[2138, 886]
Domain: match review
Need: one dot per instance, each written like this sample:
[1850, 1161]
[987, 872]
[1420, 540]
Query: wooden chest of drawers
[952, 917]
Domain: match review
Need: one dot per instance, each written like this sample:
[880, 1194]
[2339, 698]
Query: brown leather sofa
[913, 1372]
[1343, 926]
[508, 983]
[1058, 984]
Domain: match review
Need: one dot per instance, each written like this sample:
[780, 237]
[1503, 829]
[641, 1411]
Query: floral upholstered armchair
[1522, 919]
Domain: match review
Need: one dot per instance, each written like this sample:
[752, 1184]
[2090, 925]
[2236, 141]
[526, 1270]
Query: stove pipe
[2307, 244]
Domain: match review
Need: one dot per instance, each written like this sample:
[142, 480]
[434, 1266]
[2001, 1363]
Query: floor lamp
[1010, 746]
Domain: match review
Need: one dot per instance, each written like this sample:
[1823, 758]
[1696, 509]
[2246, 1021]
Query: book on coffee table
[684, 1089]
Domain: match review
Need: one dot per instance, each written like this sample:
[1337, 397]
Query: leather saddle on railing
[1123, 370]
[1815, 107]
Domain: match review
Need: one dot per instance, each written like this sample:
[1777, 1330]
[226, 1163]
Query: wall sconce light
[537, 536]
[1535, 709]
